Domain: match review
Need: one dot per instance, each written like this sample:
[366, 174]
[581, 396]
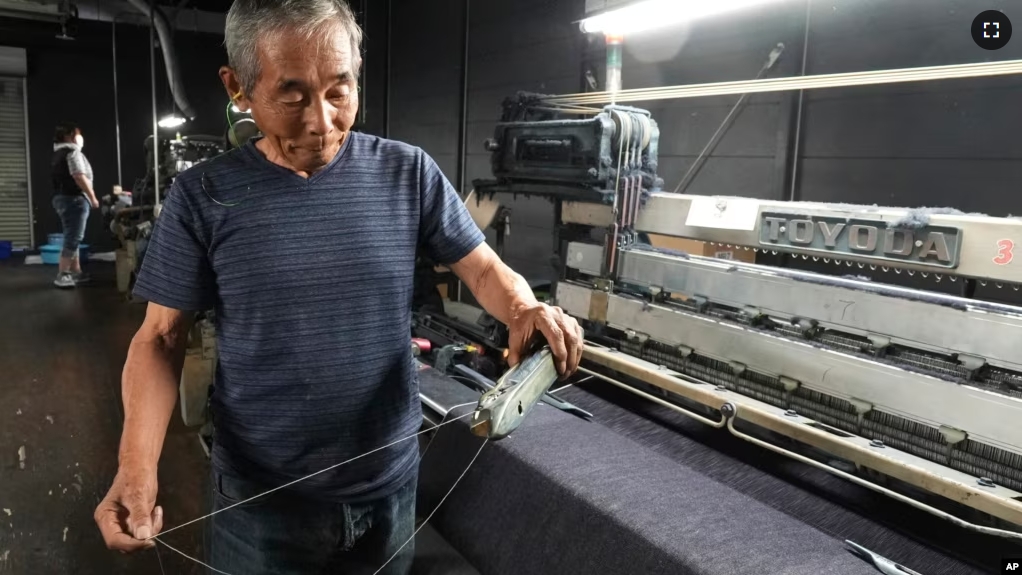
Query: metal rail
[956, 486]
[987, 417]
[934, 322]
[729, 413]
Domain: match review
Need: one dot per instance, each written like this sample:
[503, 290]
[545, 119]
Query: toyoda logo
[872, 239]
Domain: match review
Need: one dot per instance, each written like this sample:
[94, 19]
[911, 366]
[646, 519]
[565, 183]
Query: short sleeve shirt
[311, 280]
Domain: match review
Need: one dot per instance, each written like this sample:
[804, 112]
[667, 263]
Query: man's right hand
[128, 515]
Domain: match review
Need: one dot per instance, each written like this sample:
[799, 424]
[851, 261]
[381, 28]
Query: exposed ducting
[31, 10]
[177, 88]
[190, 19]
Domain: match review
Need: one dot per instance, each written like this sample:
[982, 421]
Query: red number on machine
[1004, 252]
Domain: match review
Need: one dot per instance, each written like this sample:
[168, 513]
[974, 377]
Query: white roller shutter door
[15, 191]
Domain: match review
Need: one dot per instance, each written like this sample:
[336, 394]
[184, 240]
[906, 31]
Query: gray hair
[250, 20]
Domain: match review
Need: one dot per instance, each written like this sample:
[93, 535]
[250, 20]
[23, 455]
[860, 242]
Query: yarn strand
[321, 471]
[405, 544]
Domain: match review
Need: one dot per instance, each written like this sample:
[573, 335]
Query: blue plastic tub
[55, 239]
[50, 254]
[5, 250]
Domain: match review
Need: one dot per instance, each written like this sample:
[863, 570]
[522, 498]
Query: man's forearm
[501, 291]
[149, 392]
[508, 297]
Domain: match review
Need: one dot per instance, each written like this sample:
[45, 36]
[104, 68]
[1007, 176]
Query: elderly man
[304, 242]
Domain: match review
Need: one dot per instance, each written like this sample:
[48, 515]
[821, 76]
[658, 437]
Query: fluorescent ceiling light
[650, 14]
[171, 121]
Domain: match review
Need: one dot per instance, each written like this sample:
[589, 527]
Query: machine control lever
[484, 384]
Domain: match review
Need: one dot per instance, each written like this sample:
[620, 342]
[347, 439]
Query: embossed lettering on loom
[871, 239]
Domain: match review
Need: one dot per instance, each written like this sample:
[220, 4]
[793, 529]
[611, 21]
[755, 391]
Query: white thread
[430, 516]
[410, 539]
[422, 457]
[332, 467]
[189, 556]
[158, 558]
[560, 389]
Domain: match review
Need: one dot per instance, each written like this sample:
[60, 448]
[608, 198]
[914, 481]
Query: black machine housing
[175, 156]
[542, 150]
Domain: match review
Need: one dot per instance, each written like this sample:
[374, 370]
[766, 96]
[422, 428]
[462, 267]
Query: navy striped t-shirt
[311, 281]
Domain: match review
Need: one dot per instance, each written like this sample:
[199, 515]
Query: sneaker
[64, 281]
[81, 278]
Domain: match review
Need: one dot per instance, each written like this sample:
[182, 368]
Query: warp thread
[265, 493]
[160, 559]
[186, 556]
[430, 516]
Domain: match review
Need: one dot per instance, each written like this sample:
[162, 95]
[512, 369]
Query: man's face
[305, 98]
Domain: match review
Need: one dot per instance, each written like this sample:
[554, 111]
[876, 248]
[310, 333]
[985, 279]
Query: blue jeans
[74, 213]
[284, 533]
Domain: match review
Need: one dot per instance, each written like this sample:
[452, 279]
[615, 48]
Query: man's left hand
[562, 333]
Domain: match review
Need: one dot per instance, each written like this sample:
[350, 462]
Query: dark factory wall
[749, 159]
[949, 143]
[425, 76]
[531, 46]
[374, 66]
[513, 45]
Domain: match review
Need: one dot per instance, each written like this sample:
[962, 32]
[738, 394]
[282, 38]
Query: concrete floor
[61, 354]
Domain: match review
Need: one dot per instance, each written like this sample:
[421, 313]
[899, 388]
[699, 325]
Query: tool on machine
[484, 384]
[502, 409]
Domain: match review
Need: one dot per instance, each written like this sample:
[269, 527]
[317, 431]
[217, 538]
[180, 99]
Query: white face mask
[80, 141]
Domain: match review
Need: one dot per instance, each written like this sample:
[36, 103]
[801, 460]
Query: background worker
[73, 196]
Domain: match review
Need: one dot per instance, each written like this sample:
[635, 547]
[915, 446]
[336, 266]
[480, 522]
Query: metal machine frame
[762, 323]
[872, 382]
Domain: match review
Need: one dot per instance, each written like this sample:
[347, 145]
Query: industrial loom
[881, 413]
